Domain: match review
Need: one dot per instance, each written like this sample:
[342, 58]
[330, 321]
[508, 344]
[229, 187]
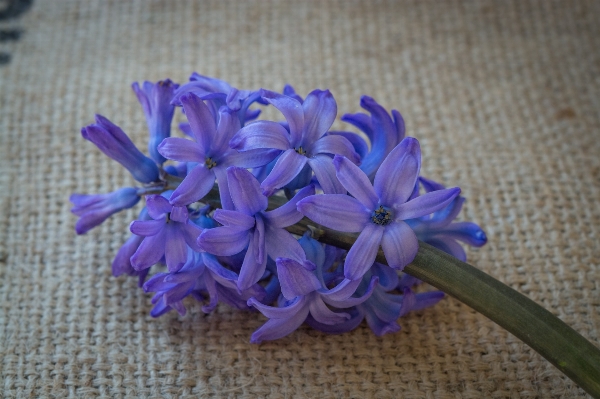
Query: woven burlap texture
[503, 96]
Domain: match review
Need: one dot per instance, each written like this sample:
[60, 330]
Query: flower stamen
[381, 216]
[209, 163]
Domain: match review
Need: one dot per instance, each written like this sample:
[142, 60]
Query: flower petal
[245, 191]
[175, 249]
[146, 228]
[234, 219]
[278, 328]
[157, 206]
[251, 271]
[260, 135]
[224, 241]
[324, 170]
[448, 245]
[228, 126]
[425, 204]
[400, 244]
[150, 252]
[195, 186]
[289, 164]
[283, 312]
[334, 145]
[361, 256]
[395, 180]
[288, 214]
[291, 110]
[321, 313]
[344, 290]
[190, 233]
[295, 279]
[221, 175]
[320, 110]
[356, 182]
[201, 120]
[336, 211]
[467, 232]
[353, 301]
[182, 150]
[281, 244]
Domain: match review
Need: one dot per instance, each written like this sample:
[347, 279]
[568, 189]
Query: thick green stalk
[562, 346]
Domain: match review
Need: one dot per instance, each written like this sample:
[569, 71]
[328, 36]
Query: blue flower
[378, 211]
[384, 133]
[155, 99]
[93, 209]
[168, 235]
[113, 142]
[210, 154]
[220, 93]
[306, 143]
[250, 226]
[438, 229]
[202, 275]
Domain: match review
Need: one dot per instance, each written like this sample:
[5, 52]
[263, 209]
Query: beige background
[504, 97]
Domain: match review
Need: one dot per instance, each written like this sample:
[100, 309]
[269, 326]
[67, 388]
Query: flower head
[378, 211]
[155, 99]
[113, 142]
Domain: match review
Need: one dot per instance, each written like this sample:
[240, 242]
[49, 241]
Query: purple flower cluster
[233, 247]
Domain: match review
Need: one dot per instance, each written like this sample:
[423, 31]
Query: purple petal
[321, 313]
[251, 271]
[158, 206]
[224, 241]
[397, 175]
[344, 290]
[289, 164]
[146, 228]
[191, 232]
[260, 135]
[281, 244]
[245, 191]
[175, 249]
[122, 263]
[353, 301]
[334, 145]
[279, 328]
[288, 214]
[361, 256]
[359, 145]
[291, 110]
[381, 327]
[467, 232]
[194, 187]
[150, 252]
[295, 279]
[425, 204]
[179, 214]
[259, 240]
[400, 245]
[250, 158]
[234, 219]
[361, 121]
[221, 175]
[201, 120]
[320, 110]
[388, 277]
[356, 182]
[182, 150]
[336, 211]
[228, 126]
[324, 170]
[278, 312]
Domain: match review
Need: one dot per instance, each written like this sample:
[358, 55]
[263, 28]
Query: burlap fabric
[504, 97]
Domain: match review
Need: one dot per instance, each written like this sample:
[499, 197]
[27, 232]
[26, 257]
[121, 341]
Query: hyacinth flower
[220, 93]
[113, 142]
[384, 133]
[438, 229]
[93, 209]
[168, 235]
[209, 154]
[306, 142]
[250, 227]
[201, 276]
[304, 295]
[384, 307]
[378, 211]
[155, 99]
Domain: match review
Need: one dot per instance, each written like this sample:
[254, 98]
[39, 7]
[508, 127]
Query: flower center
[301, 151]
[381, 216]
[209, 163]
